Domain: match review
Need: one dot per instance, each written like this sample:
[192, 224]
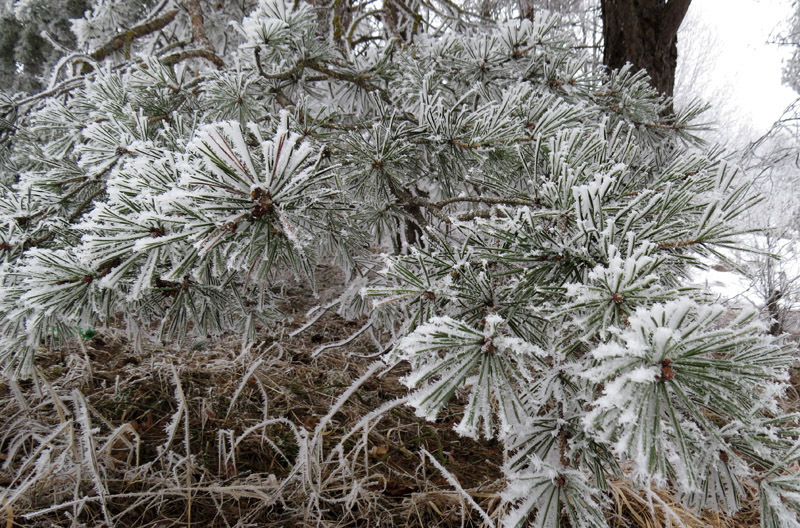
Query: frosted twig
[320, 311]
[239, 389]
[345, 341]
[18, 396]
[454, 482]
[90, 452]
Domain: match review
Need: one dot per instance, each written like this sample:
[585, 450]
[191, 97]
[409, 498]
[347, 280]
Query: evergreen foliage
[34, 34]
[513, 224]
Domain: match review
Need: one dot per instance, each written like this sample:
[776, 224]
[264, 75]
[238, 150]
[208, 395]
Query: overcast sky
[724, 58]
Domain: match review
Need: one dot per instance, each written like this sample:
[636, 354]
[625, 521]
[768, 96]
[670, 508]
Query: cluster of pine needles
[215, 436]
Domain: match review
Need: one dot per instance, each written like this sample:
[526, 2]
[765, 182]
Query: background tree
[644, 33]
[582, 18]
[790, 37]
[770, 159]
[33, 35]
[773, 160]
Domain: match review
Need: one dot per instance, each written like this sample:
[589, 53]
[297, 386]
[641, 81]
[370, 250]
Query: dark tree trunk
[644, 33]
[773, 308]
[526, 9]
[400, 20]
[333, 20]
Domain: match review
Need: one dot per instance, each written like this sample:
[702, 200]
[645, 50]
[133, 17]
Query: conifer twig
[124, 38]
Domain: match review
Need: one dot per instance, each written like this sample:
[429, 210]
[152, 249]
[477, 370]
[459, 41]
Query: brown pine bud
[666, 371]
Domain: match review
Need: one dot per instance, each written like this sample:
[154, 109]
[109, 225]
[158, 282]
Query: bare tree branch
[198, 28]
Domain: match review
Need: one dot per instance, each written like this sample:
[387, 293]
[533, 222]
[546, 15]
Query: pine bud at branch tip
[666, 371]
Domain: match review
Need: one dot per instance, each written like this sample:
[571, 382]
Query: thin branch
[125, 38]
[480, 213]
[669, 244]
[36, 242]
[661, 126]
[476, 146]
[194, 53]
[359, 80]
[81, 208]
[155, 11]
[435, 208]
[482, 199]
[346, 340]
[64, 86]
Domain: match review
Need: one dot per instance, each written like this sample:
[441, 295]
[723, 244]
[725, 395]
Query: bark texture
[645, 33]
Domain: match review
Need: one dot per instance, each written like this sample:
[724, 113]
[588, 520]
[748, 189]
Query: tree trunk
[644, 33]
[333, 20]
[526, 9]
[773, 308]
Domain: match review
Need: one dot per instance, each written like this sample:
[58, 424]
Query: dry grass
[659, 509]
[211, 435]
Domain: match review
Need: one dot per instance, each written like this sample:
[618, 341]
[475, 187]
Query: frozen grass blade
[454, 482]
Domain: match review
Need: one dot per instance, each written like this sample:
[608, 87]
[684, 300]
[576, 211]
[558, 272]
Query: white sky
[724, 59]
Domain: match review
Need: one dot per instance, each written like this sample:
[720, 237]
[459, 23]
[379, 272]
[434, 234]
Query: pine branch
[480, 213]
[210, 56]
[198, 28]
[661, 126]
[484, 199]
[361, 79]
[491, 144]
[84, 205]
[125, 38]
[77, 213]
[435, 208]
[671, 244]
